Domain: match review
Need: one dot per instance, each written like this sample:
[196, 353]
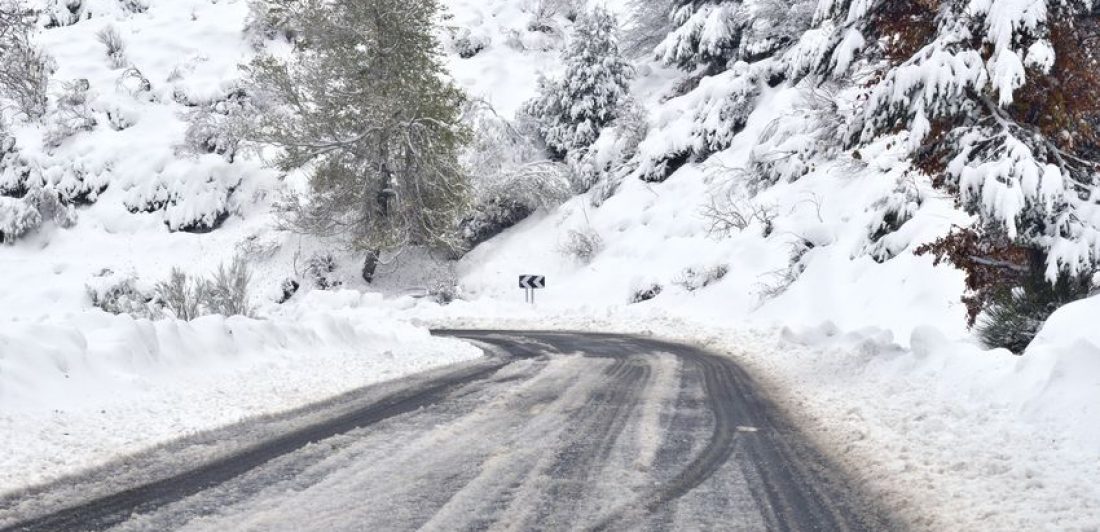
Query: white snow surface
[99, 386]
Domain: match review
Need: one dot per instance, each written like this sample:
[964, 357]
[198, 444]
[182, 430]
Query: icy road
[552, 431]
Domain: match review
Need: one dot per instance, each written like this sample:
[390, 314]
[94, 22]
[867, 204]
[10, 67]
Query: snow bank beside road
[950, 436]
[82, 392]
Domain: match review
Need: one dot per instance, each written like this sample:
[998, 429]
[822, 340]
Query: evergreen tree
[572, 111]
[365, 104]
[706, 33]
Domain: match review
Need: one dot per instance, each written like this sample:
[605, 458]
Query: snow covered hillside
[829, 190]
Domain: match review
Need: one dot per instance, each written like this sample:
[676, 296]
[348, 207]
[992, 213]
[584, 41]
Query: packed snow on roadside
[86, 391]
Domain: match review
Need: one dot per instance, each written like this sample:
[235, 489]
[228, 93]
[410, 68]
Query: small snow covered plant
[583, 244]
[572, 111]
[116, 47]
[365, 102]
[695, 278]
[321, 269]
[226, 293]
[24, 69]
[181, 295]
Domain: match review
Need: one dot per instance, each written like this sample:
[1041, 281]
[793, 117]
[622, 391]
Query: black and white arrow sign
[530, 282]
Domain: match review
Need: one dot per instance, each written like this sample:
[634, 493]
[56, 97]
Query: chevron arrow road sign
[531, 282]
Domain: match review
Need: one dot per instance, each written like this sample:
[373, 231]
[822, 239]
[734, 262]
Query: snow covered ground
[83, 392]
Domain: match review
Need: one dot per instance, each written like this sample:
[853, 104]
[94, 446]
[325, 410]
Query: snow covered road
[554, 431]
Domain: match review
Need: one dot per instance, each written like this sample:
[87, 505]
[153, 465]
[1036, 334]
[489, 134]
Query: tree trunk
[370, 264]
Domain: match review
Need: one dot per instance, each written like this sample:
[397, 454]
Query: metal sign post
[530, 283]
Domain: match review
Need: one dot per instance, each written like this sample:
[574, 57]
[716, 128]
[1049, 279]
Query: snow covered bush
[572, 111]
[321, 269]
[71, 114]
[792, 144]
[219, 126]
[17, 218]
[24, 69]
[1014, 316]
[695, 278]
[582, 244]
[227, 292]
[287, 289]
[21, 216]
[117, 293]
[646, 293]
[445, 291]
[889, 215]
[727, 212]
[511, 179]
[181, 295]
[116, 47]
[777, 282]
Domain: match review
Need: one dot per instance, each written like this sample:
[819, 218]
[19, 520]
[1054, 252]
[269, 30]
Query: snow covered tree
[999, 104]
[710, 35]
[572, 111]
[365, 104]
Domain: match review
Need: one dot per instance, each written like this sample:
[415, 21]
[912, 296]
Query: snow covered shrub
[24, 69]
[582, 244]
[706, 121]
[646, 293]
[287, 289]
[321, 269]
[889, 215]
[1014, 316]
[17, 218]
[467, 43]
[726, 212]
[227, 292]
[777, 282]
[694, 278]
[116, 47]
[791, 144]
[180, 295]
[21, 216]
[218, 127]
[117, 293]
[444, 291]
[572, 111]
[509, 198]
[71, 115]
[61, 12]
[511, 179]
[135, 6]
[131, 81]
[711, 35]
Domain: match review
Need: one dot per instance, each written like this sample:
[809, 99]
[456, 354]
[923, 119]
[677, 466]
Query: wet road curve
[554, 431]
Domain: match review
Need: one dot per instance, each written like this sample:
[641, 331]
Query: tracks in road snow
[570, 431]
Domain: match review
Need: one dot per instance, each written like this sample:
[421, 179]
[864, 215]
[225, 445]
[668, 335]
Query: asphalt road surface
[553, 431]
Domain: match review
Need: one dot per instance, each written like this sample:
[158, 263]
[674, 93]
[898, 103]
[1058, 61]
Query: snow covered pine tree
[572, 111]
[1000, 100]
[366, 103]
